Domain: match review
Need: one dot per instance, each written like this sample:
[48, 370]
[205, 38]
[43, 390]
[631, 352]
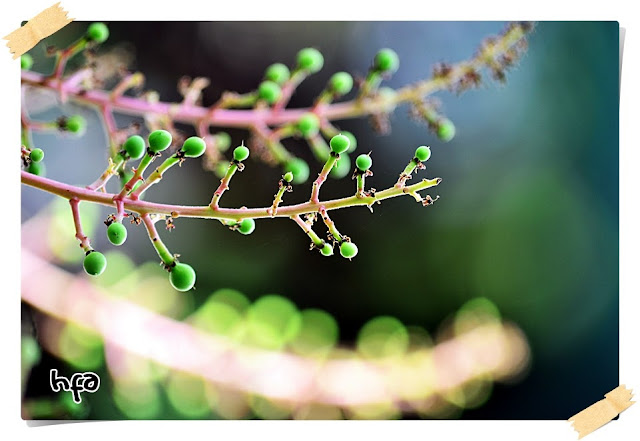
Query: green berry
[26, 61]
[363, 162]
[247, 226]
[386, 60]
[278, 73]
[36, 155]
[446, 130]
[288, 177]
[134, 146]
[223, 141]
[308, 125]
[98, 32]
[339, 144]
[326, 250]
[220, 169]
[299, 168]
[159, 140]
[310, 59]
[36, 168]
[348, 250]
[423, 153]
[341, 83]
[94, 263]
[182, 277]
[75, 124]
[117, 233]
[194, 147]
[341, 168]
[240, 153]
[353, 142]
[269, 91]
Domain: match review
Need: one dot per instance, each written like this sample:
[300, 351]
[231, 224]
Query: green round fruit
[240, 153]
[446, 130]
[326, 250]
[94, 263]
[36, 155]
[75, 124]
[37, 168]
[308, 124]
[194, 147]
[159, 140]
[339, 143]
[98, 32]
[117, 233]
[223, 141]
[278, 73]
[341, 83]
[341, 168]
[26, 61]
[348, 250]
[310, 59]
[269, 91]
[288, 177]
[423, 153]
[134, 146]
[182, 277]
[247, 226]
[386, 60]
[299, 168]
[363, 162]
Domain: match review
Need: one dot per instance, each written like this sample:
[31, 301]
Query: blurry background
[528, 208]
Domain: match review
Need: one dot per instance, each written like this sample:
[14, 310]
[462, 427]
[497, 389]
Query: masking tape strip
[41, 26]
[600, 413]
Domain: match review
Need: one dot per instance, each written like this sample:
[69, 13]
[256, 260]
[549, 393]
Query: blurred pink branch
[494, 350]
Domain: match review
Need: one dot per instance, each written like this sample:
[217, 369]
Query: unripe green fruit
[98, 32]
[363, 162]
[278, 73]
[348, 250]
[353, 142]
[341, 168]
[326, 250]
[341, 83]
[223, 141]
[26, 61]
[94, 263]
[423, 153]
[308, 124]
[446, 130]
[386, 60]
[134, 146]
[240, 153]
[36, 155]
[299, 168]
[182, 277]
[221, 168]
[339, 144]
[310, 59]
[159, 140]
[117, 233]
[75, 124]
[269, 91]
[36, 168]
[247, 226]
[288, 177]
[194, 147]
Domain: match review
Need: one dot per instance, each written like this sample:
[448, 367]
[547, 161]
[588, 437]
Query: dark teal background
[528, 208]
